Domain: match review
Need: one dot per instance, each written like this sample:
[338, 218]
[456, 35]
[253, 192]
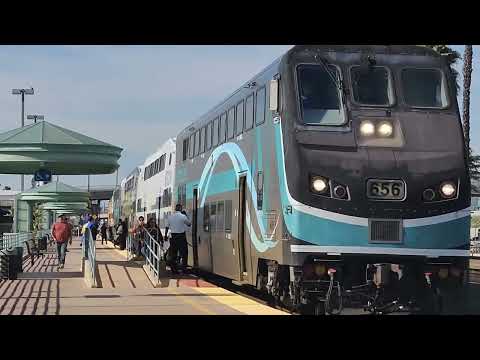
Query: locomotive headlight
[367, 128]
[319, 184]
[448, 189]
[385, 129]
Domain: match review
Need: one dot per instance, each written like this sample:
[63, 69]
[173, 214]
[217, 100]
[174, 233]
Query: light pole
[35, 117]
[23, 92]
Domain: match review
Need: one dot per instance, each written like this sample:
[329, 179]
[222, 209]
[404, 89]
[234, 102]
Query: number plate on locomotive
[386, 189]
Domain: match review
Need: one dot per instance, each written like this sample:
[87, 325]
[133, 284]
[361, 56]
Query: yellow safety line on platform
[188, 301]
[239, 303]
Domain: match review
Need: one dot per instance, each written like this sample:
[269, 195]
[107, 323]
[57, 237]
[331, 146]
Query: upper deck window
[231, 123]
[319, 96]
[239, 120]
[424, 88]
[215, 132]
[372, 85]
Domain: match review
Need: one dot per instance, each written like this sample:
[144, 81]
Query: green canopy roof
[65, 206]
[62, 151]
[55, 192]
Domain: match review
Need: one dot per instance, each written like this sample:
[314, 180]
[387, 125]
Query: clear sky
[135, 97]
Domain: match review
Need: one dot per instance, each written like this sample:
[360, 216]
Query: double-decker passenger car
[154, 189]
[338, 172]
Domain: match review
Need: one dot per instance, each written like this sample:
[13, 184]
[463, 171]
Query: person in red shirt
[61, 234]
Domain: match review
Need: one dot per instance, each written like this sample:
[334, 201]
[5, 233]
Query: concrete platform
[124, 289]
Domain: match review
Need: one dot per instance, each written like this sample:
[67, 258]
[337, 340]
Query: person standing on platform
[67, 220]
[61, 233]
[154, 230]
[94, 229]
[139, 237]
[103, 231]
[178, 224]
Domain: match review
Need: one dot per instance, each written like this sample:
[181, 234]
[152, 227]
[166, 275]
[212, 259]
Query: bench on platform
[32, 251]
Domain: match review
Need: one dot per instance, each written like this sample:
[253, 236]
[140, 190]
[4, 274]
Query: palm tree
[452, 56]
[467, 82]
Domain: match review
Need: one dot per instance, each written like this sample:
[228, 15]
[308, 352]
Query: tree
[452, 56]
[474, 166]
[37, 219]
[467, 82]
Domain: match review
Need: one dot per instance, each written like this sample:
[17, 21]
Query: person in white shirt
[178, 224]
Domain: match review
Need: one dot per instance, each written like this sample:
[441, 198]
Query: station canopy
[44, 146]
[55, 192]
[65, 206]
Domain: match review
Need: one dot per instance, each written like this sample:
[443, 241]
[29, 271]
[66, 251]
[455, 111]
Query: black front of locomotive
[372, 138]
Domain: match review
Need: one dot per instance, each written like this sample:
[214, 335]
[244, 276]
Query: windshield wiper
[338, 82]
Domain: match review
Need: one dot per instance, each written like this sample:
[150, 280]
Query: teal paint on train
[219, 183]
[326, 232]
[225, 182]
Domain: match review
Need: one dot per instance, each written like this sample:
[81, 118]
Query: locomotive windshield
[424, 88]
[319, 96]
[372, 86]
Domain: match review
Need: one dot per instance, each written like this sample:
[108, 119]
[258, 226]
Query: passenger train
[154, 186]
[336, 175]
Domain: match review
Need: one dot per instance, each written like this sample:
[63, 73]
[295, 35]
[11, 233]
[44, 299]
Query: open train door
[242, 227]
[195, 228]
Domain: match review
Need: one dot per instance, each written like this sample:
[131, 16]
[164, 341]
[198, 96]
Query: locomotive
[335, 176]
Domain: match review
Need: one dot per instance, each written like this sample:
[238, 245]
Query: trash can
[19, 258]
[8, 270]
[42, 243]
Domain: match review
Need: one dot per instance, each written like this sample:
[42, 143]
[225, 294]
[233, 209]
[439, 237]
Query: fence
[154, 255]
[12, 240]
[90, 252]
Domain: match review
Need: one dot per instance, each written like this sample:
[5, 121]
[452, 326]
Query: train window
[202, 141]
[231, 123]
[260, 107]
[372, 85]
[166, 198]
[209, 136]
[191, 147]
[182, 195]
[213, 217]
[239, 119]
[206, 218]
[249, 116]
[185, 149]
[220, 216]
[424, 88]
[228, 216]
[197, 142]
[139, 205]
[215, 132]
[223, 128]
[170, 159]
[319, 96]
[162, 162]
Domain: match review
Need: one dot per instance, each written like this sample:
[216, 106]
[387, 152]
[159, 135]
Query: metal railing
[90, 253]
[13, 240]
[131, 253]
[475, 248]
[154, 254]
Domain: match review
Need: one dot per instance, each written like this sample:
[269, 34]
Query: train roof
[377, 49]
[169, 143]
